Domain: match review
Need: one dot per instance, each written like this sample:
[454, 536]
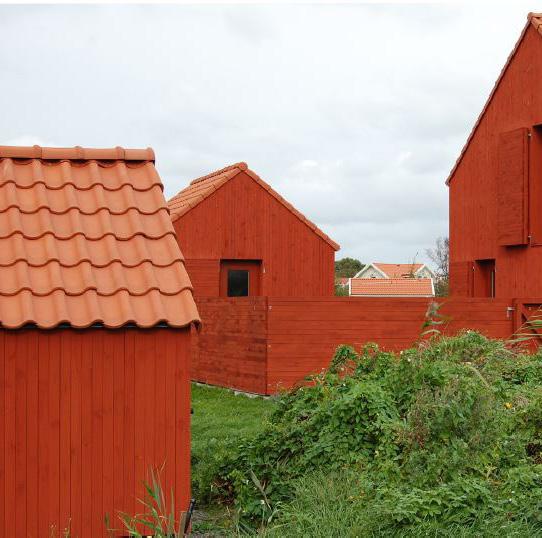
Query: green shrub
[443, 437]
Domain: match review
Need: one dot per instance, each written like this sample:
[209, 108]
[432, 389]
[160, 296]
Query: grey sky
[354, 113]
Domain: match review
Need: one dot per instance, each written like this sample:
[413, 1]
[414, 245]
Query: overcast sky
[354, 113]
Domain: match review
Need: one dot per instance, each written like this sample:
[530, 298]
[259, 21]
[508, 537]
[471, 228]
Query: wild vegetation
[442, 439]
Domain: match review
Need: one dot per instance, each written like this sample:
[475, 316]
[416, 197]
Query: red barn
[95, 313]
[240, 237]
[495, 187]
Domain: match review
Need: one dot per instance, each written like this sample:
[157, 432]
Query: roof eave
[243, 167]
[533, 19]
[178, 214]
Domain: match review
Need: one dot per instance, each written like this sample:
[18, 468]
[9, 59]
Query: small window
[237, 283]
[240, 278]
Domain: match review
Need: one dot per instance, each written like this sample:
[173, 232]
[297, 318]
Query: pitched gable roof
[399, 270]
[203, 187]
[392, 287]
[394, 270]
[86, 238]
[534, 20]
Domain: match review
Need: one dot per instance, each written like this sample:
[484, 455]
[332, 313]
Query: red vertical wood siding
[204, 275]
[84, 415]
[230, 350]
[461, 279]
[241, 220]
[474, 188]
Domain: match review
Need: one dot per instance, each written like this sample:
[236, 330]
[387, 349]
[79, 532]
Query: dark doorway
[240, 278]
[484, 278]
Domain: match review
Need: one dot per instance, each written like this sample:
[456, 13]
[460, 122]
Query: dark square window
[237, 283]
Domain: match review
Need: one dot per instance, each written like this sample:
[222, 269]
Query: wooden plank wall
[230, 350]
[83, 415]
[303, 333]
[259, 344]
[474, 189]
[491, 317]
[204, 275]
[242, 221]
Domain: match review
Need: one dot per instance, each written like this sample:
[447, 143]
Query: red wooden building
[495, 187]
[95, 313]
[240, 237]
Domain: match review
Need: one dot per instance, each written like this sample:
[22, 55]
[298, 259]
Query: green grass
[221, 418]
[328, 505]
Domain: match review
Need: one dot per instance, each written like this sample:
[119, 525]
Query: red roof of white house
[392, 287]
[399, 270]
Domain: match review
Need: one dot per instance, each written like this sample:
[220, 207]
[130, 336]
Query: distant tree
[440, 256]
[347, 267]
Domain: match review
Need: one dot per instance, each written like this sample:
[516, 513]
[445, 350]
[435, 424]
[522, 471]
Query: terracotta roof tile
[392, 287]
[202, 187]
[398, 270]
[85, 238]
[534, 20]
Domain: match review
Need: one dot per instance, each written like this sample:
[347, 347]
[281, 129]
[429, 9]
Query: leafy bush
[447, 435]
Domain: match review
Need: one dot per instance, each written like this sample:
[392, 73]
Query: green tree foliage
[347, 267]
[446, 436]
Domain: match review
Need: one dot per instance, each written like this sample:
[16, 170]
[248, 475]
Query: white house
[395, 270]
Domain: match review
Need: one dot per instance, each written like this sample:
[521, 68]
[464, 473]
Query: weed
[159, 516]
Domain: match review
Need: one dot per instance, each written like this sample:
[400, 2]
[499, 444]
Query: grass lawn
[220, 418]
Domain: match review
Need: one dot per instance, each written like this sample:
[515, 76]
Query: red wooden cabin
[495, 187]
[95, 313]
[240, 237]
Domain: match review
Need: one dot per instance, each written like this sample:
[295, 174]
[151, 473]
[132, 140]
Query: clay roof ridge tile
[241, 166]
[77, 153]
[536, 21]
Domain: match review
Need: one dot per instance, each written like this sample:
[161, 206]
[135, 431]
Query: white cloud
[355, 113]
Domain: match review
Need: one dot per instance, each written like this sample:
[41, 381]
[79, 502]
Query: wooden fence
[266, 343]
[230, 349]
[302, 334]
